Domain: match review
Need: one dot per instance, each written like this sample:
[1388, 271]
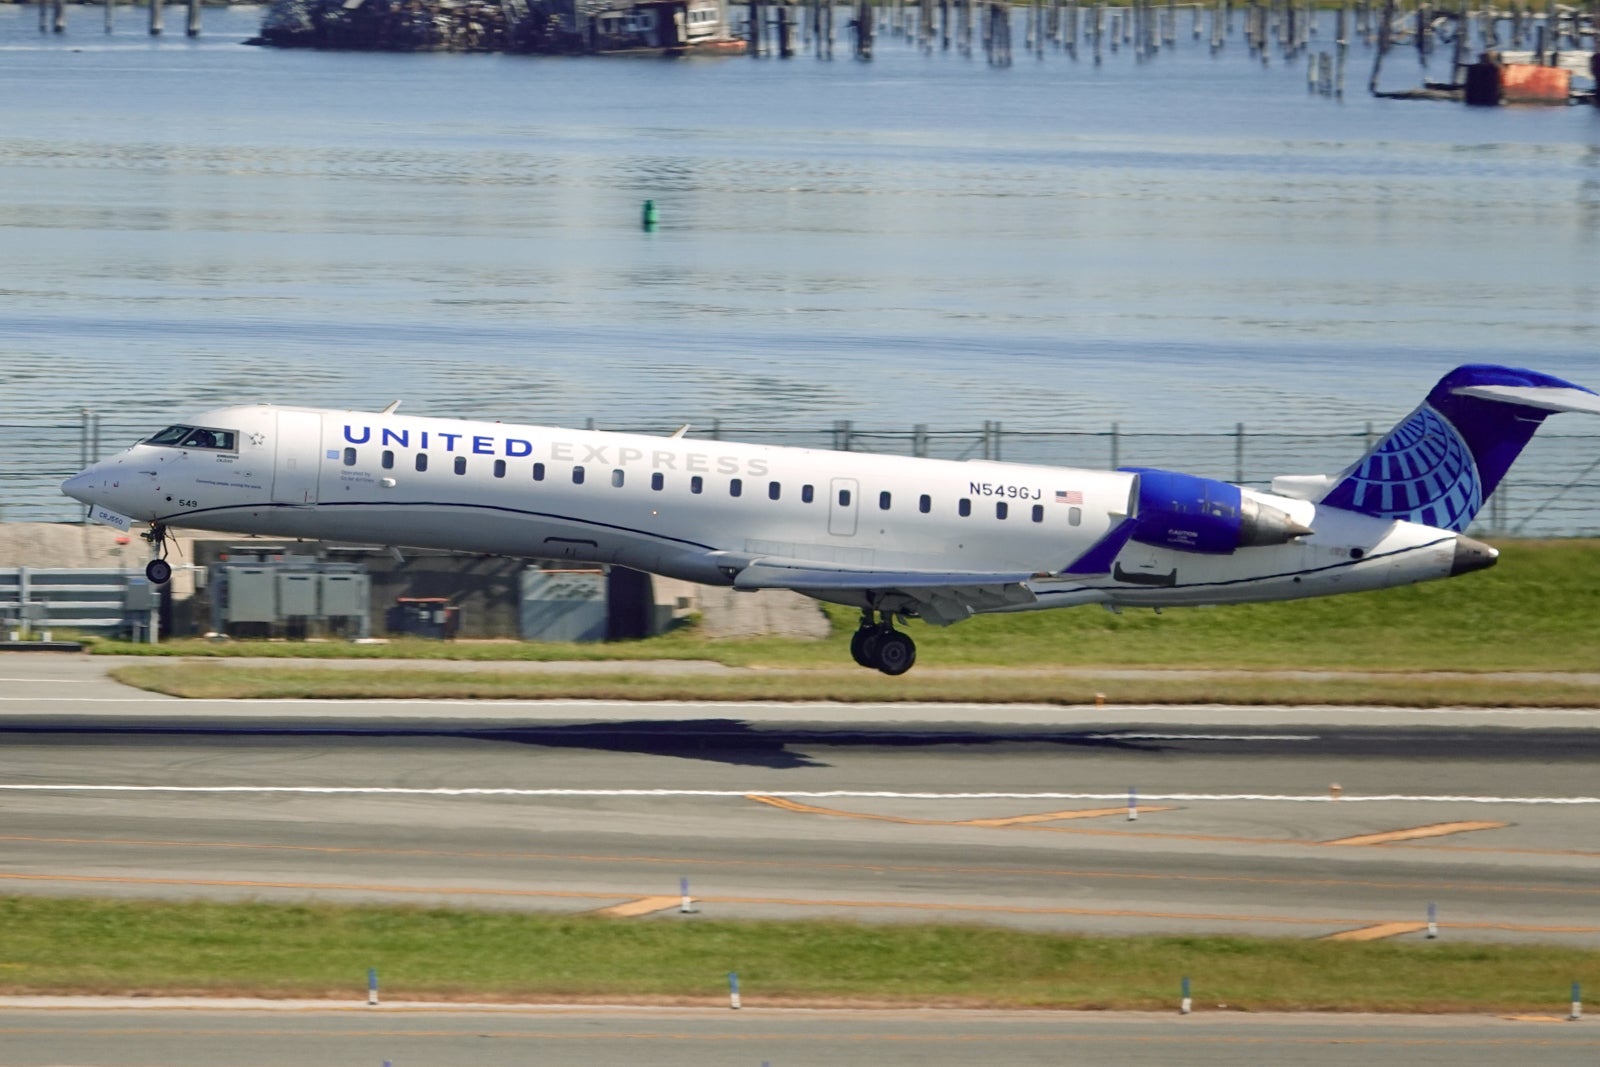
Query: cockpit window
[196, 437]
[203, 438]
[172, 435]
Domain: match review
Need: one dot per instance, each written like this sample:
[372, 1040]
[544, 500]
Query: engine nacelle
[1193, 514]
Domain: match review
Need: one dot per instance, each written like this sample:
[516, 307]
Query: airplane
[894, 536]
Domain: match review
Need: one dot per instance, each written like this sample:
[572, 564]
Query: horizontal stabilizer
[1543, 397]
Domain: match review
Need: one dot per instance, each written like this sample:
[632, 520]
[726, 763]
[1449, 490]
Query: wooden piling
[155, 18]
[58, 16]
[192, 25]
[111, 8]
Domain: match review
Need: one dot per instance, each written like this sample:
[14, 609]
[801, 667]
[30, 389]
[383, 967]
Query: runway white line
[1201, 737]
[491, 791]
[937, 710]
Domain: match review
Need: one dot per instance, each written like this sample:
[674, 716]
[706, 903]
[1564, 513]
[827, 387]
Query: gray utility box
[345, 595]
[297, 595]
[252, 594]
[562, 605]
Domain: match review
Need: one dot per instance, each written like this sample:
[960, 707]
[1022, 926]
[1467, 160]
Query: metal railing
[1554, 491]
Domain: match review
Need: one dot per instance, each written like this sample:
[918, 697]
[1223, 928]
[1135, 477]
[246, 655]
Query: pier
[1540, 54]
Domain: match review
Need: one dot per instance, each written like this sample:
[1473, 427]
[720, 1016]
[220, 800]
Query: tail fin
[1440, 464]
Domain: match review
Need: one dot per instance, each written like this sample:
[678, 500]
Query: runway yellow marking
[1376, 933]
[1053, 816]
[1438, 829]
[1004, 821]
[642, 906]
[902, 868]
[795, 902]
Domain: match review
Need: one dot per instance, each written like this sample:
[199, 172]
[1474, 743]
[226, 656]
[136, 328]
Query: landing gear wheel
[864, 647]
[858, 644]
[895, 652]
[159, 571]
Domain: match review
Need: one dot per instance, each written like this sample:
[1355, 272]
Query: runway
[304, 1036]
[1015, 815]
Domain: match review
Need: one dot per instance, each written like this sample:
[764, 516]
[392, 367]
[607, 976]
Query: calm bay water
[1181, 244]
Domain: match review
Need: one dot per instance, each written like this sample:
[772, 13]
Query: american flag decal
[1068, 496]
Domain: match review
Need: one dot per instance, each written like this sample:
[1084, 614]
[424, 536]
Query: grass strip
[215, 681]
[103, 946]
[1534, 611]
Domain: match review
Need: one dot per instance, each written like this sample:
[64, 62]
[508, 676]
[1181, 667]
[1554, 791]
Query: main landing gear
[158, 570]
[880, 646]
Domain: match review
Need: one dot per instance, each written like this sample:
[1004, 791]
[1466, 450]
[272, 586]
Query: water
[1181, 244]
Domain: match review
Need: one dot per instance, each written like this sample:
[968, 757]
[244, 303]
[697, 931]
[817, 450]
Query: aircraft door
[294, 476]
[842, 499]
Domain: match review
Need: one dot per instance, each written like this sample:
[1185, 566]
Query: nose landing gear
[879, 646]
[158, 570]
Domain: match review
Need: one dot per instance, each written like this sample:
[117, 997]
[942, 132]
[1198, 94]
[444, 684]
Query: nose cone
[1472, 556]
[79, 486]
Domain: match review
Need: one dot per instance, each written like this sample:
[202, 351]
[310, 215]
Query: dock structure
[547, 26]
[1542, 54]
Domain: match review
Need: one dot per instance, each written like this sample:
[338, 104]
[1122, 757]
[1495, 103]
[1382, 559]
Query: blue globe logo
[1422, 472]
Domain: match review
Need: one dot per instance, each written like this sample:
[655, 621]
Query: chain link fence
[1554, 491]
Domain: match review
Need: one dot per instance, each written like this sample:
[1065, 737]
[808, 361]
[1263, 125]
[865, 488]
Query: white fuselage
[702, 510]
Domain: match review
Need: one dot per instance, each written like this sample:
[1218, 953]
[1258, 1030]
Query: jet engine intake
[1193, 514]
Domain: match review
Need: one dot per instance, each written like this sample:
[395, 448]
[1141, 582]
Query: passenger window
[461, 464]
[883, 501]
[658, 481]
[422, 461]
[1001, 510]
[349, 457]
[807, 494]
[616, 478]
[736, 487]
[844, 498]
[577, 475]
[697, 484]
[925, 504]
[388, 459]
[1074, 516]
[538, 472]
[1038, 513]
[774, 490]
[499, 468]
[964, 508]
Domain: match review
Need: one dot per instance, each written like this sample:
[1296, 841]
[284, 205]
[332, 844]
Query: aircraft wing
[940, 597]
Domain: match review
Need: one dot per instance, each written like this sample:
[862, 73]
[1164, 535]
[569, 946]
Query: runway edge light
[372, 986]
[1577, 1002]
[1185, 1003]
[687, 906]
[733, 990]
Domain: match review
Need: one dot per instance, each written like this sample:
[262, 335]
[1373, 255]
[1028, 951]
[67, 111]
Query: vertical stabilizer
[1441, 463]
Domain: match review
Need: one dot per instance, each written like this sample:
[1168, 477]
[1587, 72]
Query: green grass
[79, 946]
[853, 685]
[1536, 610]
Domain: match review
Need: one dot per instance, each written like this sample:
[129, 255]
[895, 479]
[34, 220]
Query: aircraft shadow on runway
[731, 741]
[783, 746]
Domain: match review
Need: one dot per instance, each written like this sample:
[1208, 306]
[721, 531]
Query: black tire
[858, 645]
[871, 640]
[895, 653]
[159, 571]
